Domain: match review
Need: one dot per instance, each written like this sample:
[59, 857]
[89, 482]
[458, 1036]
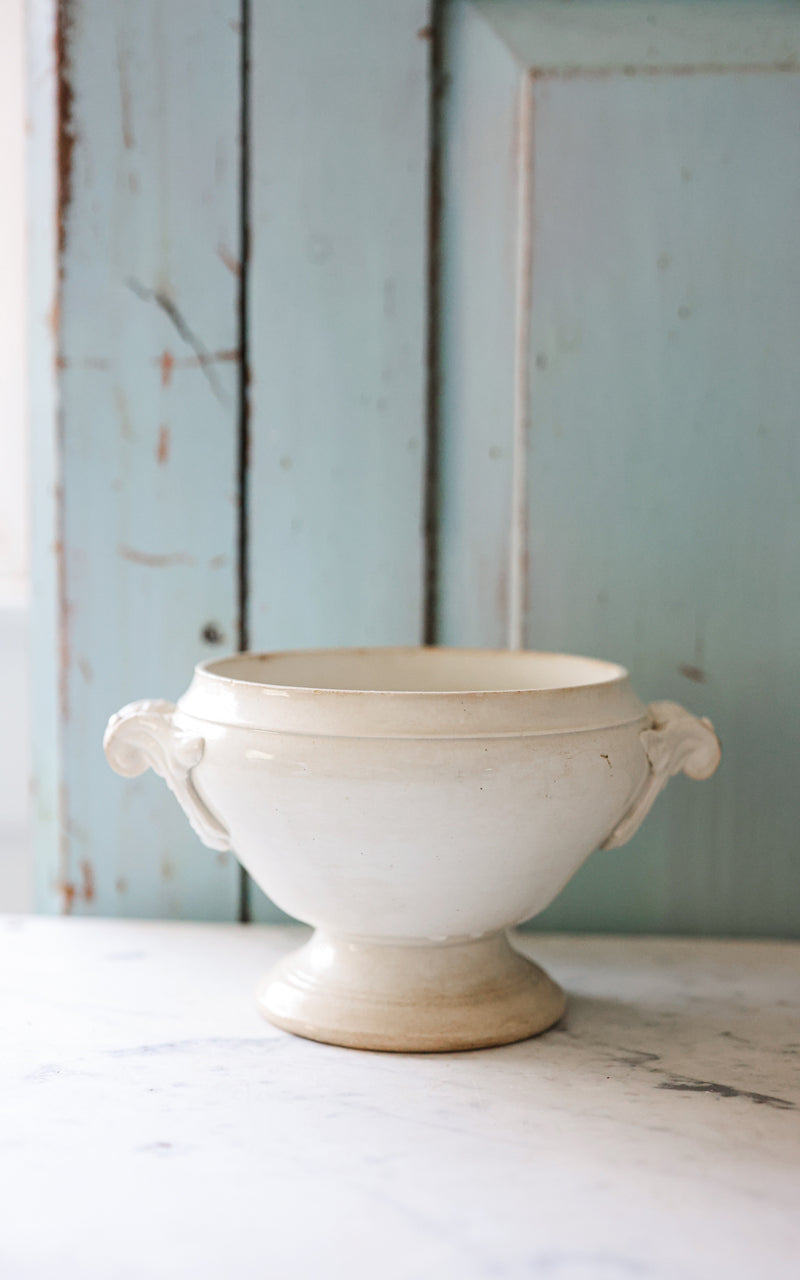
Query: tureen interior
[414, 670]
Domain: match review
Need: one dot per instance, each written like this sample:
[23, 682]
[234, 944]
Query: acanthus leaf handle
[145, 735]
[674, 741]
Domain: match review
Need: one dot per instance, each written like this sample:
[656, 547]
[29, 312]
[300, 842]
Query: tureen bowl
[412, 804]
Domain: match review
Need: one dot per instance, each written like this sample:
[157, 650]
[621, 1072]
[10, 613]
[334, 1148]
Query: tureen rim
[617, 674]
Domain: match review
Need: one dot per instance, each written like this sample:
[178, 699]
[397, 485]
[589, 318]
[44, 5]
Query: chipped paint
[87, 888]
[163, 446]
[101, 363]
[229, 261]
[167, 362]
[154, 560]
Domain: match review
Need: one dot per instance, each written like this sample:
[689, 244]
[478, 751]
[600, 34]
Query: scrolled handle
[675, 741]
[144, 735]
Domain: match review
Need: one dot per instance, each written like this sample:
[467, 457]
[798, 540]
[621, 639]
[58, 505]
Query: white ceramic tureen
[412, 805]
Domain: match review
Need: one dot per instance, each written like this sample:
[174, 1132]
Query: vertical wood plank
[337, 323]
[141, 562]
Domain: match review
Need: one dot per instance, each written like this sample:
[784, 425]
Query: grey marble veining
[152, 1125]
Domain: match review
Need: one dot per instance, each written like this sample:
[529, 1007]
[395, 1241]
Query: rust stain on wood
[166, 362]
[71, 892]
[163, 446]
[87, 881]
[233, 265]
[89, 362]
[154, 560]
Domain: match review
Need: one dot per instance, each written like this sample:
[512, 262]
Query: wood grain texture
[662, 463]
[140, 558]
[337, 323]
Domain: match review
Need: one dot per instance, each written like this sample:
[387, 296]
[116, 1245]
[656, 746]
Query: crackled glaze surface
[155, 1125]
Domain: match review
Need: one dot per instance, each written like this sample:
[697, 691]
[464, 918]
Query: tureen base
[410, 997]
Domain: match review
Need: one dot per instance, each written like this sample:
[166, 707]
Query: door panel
[656, 467]
[135, 418]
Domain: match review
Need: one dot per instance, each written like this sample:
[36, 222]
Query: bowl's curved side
[416, 837]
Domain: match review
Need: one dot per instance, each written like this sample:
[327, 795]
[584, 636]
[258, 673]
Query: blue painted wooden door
[396, 321]
[620, 391]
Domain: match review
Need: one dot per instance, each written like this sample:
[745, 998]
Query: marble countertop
[152, 1125]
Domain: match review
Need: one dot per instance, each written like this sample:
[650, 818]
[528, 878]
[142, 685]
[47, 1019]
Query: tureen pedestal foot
[410, 997]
